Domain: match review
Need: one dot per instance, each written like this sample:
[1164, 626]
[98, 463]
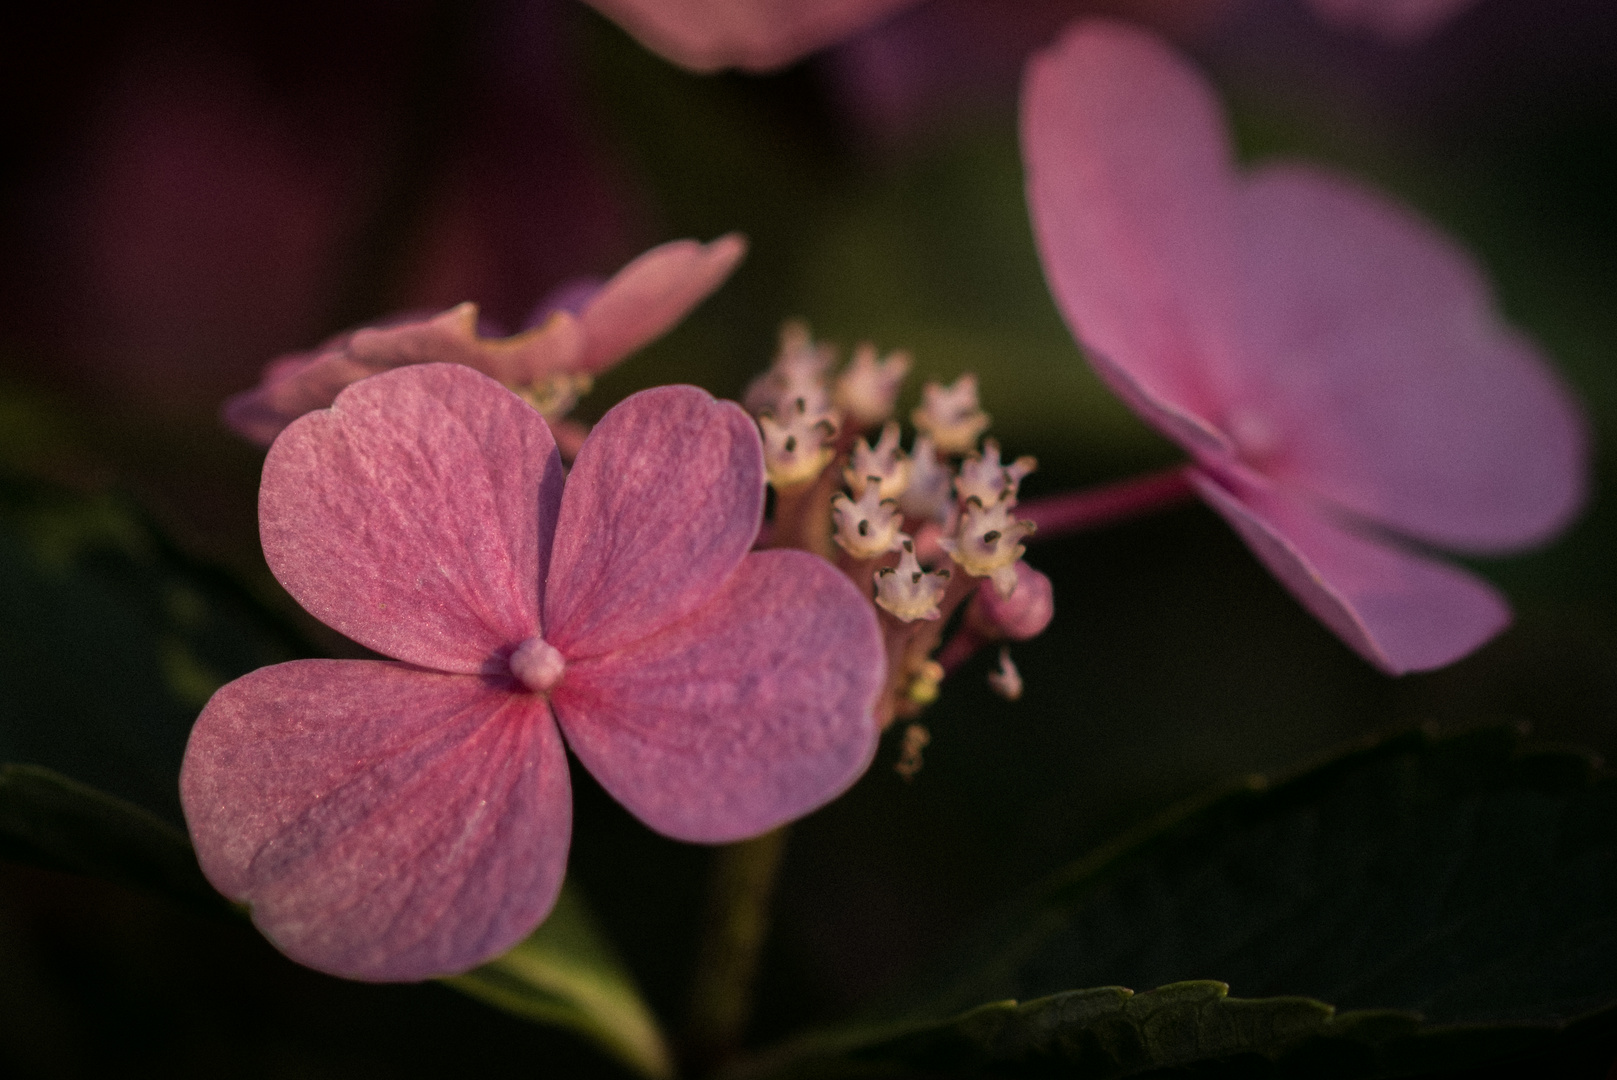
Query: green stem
[741, 889]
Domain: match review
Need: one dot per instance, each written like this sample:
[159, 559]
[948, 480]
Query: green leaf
[113, 641]
[1454, 900]
[567, 974]
[51, 821]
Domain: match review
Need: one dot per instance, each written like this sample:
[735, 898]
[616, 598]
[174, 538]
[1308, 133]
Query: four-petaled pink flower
[634, 307]
[1332, 363]
[398, 821]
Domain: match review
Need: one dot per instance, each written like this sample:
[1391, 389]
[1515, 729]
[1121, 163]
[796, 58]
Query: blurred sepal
[1456, 898]
[566, 973]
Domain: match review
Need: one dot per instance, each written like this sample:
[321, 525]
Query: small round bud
[795, 452]
[926, 496]
[1021, 615]
[983, 477]
[908, 591]
[795, 385]
[884, 464]
[538, 665]
[867, 389]
[951, 415]
[988, 542]
[1007, 681]
[867, 528]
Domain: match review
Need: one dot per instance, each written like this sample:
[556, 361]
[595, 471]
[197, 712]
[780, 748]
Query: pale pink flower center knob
[538, 665]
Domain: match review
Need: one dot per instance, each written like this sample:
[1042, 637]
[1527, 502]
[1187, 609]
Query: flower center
[538, 665]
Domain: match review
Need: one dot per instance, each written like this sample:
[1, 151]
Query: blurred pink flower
[1332, 363]
[233, 183]
[593, 327]
[754, 35]
[1399, 21]
[398, 821]
[941, 57]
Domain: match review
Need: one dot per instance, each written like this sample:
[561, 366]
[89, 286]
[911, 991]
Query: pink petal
[1401, 611]
[756, 35]
[1132, 193]
[296, 385]
[384, 823]
[662, 503]
[753, 711]
[415, 515]
[1384, 380]
[645, 299]
[1399, 21]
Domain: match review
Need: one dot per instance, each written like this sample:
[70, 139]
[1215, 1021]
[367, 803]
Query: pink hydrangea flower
[634, 307]
[755, 35]
[398, 821]
[1333, 364]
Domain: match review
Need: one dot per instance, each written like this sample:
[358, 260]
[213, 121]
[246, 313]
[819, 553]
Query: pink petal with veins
[645, 299]
[662, 503]
[1387, 383]
[384, 823]
[1131, 188]
[1401, 611]
[754, 710]
[755, 35]
[415, 515]
[299, 384]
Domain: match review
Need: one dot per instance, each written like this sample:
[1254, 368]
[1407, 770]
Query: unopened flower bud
[951, 415]
[884, 464]
[867, 389]
[926, 496]
[983, 477]
[988, 543]
[796, 451]
[908, 591]
[1007, 681]
[1021, 615]
[867, 528]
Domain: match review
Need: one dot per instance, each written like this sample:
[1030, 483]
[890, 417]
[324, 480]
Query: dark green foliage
[1455, 900]
[50, 821]
[113, 641]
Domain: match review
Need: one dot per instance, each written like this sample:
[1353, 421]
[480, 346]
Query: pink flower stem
[1108, 504]
[1076, 511]
[803, 513]
[960, 648]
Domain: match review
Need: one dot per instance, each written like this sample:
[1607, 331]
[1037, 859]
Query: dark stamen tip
[864, 527]
[791, 444]
[990, 536]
